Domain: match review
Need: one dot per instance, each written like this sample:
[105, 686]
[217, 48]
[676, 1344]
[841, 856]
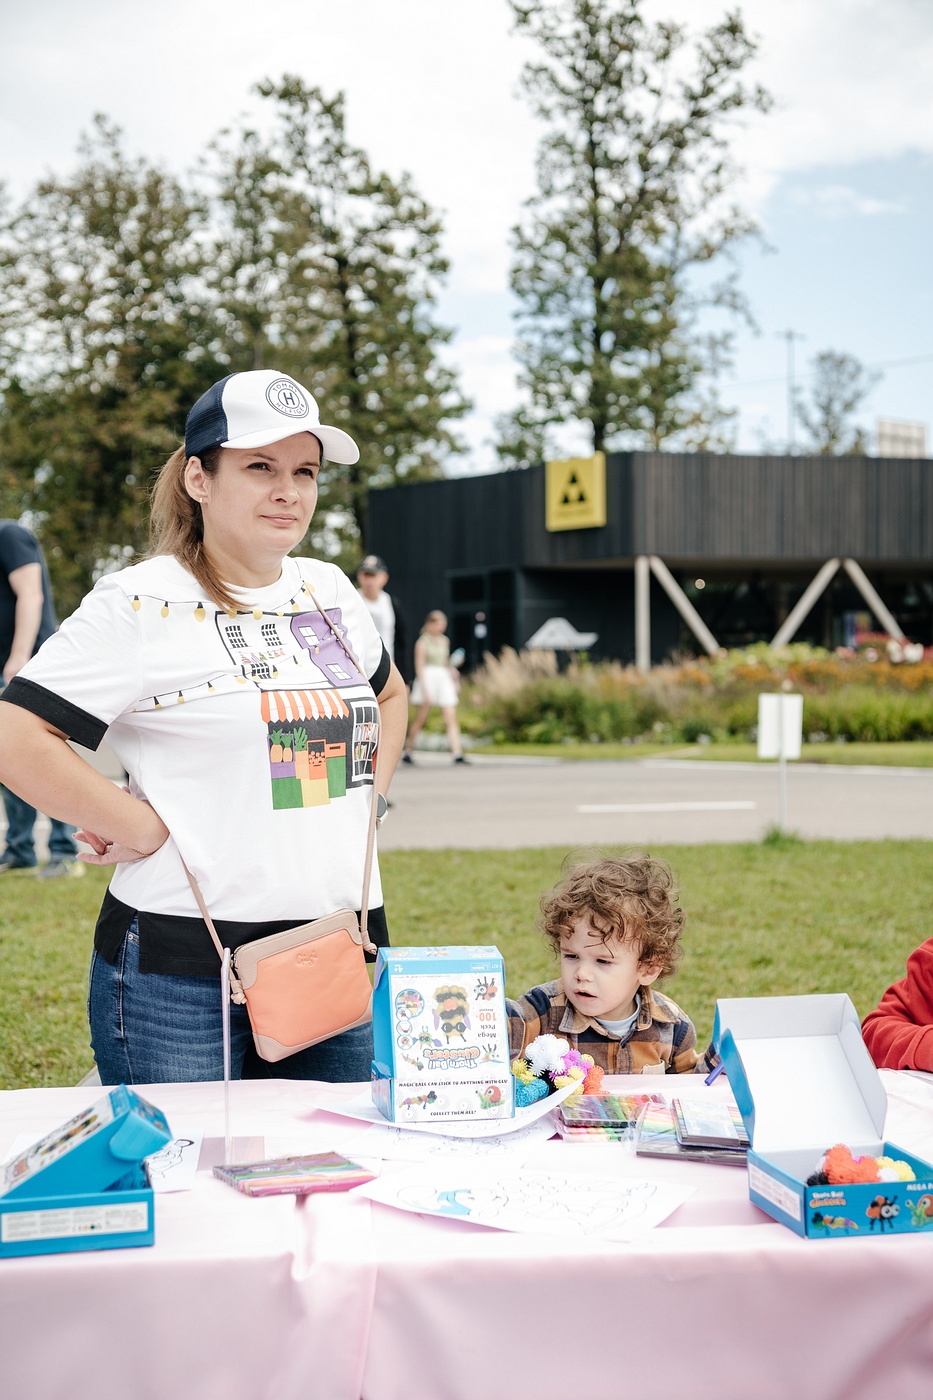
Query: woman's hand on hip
[153, 834]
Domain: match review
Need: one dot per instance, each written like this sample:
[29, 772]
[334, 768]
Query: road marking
[598, 807]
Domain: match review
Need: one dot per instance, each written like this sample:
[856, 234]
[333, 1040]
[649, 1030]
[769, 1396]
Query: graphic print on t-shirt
[321, 717]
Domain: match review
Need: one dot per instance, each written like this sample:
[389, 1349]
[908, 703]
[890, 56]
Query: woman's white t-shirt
[251, 733]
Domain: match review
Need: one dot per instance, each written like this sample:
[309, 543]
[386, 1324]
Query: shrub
[522, 697]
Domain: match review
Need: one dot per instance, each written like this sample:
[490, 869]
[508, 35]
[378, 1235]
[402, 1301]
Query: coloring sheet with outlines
[362, 1107]
[174, 1166]
[394, 1143]
[545, 1203]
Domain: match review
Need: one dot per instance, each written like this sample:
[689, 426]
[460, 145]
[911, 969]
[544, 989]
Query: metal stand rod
[782, 779]
[225, 1016]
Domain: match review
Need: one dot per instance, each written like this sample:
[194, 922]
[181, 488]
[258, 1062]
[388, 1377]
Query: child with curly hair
[616, 925]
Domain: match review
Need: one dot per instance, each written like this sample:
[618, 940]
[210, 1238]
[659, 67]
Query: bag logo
[285, 397]
[306, 957]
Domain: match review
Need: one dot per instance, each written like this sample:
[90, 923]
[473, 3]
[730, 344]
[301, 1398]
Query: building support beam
[684, 606]
[642, 613]
[795, 617]
[871, 598]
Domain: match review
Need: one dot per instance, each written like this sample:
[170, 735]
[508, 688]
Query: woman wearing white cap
[246, 730]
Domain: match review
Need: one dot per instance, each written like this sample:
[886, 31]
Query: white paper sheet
[362, 1108]
[393, 1143]
[547, 1203]
[174, 1166]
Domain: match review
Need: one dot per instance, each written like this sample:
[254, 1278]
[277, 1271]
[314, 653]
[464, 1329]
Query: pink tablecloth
[334, 1299]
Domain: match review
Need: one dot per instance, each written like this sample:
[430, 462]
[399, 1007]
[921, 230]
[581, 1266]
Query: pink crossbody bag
[311, 982]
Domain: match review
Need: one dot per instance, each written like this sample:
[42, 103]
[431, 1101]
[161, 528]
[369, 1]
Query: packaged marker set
[295, 1176]
[606, 1117]
[441, 1035]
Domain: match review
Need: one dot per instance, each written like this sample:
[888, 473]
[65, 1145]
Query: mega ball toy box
[804, 1081]
[441, 1035]
[82, 1186]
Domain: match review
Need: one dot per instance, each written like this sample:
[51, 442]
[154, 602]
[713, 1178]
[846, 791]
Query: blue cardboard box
[803, 1080]
[441, 1035]
[82, 1186]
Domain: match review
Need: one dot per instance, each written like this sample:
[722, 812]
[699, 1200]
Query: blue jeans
[151, 1028]
[20, 847]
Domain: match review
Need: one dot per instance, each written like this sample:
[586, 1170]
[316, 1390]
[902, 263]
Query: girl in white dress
[435, 684]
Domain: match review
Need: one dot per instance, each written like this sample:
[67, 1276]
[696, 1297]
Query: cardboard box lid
[800, 1072]
[432, 959]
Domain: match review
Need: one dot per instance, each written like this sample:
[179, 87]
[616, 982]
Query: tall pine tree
[632, 177]
[329, 269]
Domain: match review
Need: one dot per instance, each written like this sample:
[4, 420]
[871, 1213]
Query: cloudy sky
[838, 174]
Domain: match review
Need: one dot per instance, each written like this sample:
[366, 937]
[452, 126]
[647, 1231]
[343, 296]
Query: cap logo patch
[285, 397]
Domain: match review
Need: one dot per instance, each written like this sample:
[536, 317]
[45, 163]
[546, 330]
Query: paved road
[509, 802]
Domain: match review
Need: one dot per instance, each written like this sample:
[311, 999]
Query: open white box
[803, 1080]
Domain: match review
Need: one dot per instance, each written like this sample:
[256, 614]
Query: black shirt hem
[179, 945]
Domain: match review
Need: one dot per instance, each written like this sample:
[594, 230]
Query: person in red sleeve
[899, 1032]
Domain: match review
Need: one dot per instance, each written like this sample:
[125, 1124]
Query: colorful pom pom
[522, 1071]
[593, 1083]
[546, 1054]
[529, 1093]
[841, 1168]
[839, 1165]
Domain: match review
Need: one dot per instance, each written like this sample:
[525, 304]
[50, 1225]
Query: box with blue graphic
[804, 1081]
[441, 1035]
[82, 1186]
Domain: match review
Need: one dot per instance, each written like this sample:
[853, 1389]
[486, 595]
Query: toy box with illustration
[82, 1186]
[810, 1095]
[441, 1035]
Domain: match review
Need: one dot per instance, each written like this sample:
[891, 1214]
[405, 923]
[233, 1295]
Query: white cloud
[839, 201]
[487, 376]
[852, 81]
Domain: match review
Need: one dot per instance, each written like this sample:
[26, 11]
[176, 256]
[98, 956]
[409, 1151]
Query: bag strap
[236, 990]
[374, 804]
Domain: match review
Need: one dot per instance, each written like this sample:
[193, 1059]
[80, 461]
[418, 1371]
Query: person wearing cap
[386, 612]
[247, 731]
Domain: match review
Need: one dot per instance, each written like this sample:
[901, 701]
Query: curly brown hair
[632, 898]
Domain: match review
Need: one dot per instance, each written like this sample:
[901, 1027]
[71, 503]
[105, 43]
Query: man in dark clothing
[26, 619]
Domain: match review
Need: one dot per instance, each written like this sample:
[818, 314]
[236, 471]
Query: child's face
[601, 978]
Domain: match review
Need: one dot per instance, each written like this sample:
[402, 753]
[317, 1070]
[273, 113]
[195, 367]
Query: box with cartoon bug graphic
[814, 1108]
[441, 1035]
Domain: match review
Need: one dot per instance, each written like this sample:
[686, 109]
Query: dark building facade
[740, 538]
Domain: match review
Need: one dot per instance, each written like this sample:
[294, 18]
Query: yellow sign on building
[575, 493]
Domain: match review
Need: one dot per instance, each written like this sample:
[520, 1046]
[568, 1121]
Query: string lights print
[318, 712]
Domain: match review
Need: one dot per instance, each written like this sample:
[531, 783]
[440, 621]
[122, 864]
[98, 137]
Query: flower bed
[524, 698]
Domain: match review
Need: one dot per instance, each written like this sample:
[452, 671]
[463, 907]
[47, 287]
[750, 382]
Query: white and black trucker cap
[259, 407]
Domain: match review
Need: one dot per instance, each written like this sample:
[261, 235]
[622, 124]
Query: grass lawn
[913, 755]
[788, 917]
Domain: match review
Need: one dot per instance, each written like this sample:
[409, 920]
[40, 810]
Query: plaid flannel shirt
[663, 1040]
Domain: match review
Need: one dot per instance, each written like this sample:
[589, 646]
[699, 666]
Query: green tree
[107, 339]
[329, 269]
[632, 179]
[840, 384]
